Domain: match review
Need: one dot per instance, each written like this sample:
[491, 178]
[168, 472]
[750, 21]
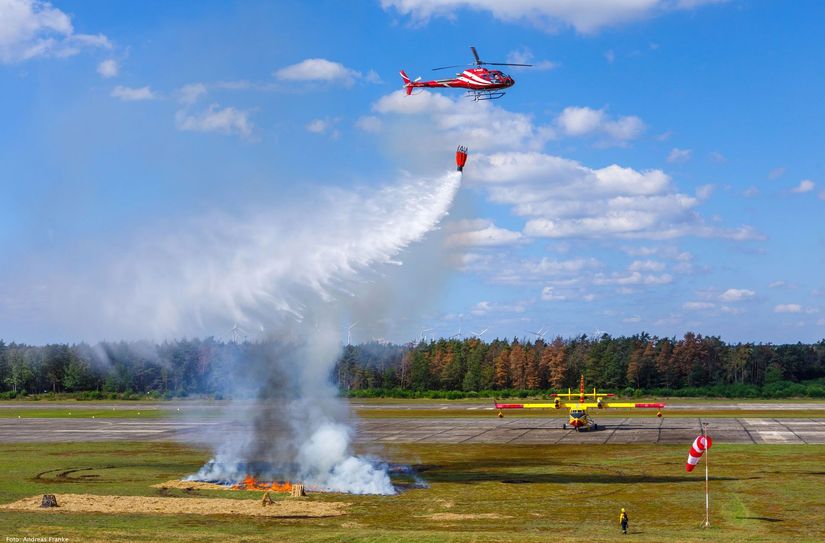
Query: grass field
[477, 493]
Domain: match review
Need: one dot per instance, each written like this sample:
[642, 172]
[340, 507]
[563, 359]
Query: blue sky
[659, 168]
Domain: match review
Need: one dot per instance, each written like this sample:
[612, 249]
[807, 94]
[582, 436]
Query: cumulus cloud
[568, 273]
[697, 306]
[324, 71]
[550, 15]
[736, 295]
[646, 265]
[679, 155]
[226, 120]
[479, 233]
[480, 125]
[324, 126]
[108, 68]
[562, 198]
[581, 121]
[34, 28]
[806, 185]
[526, 56]
[485, 307]
[133, 94]
[189, 94]
[787, 308]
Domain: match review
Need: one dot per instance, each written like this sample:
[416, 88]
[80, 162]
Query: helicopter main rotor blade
[475, 54]
[456, 66]
[504, 64]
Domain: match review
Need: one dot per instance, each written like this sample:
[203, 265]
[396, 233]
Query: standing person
[623, 521]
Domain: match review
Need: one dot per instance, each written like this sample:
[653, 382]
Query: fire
[250, 483]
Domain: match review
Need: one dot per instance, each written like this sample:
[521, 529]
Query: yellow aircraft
[579, 419]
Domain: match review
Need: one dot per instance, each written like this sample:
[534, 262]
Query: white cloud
[324, 126]
[778, 284]
[632, 319]
[108, 68]
[369, 123]
[189, 94]
[679, 155]
[822, 195]
[560, 272]
[610, 56]
[34, 28]
[224, 121]
[317, 126]
[717, 157]
[703, 192]
[787, 308]
[697, 306]
[479, 233]
[736, 295]
[479, 125]
[548, 294]
[550, 15]
[646, 265]
[525, 56]
[562, 198]
[581, 121]
[133, 94]
[632, 278]
[750, 192]
[323, 70]
[806, 185]
[485, 307]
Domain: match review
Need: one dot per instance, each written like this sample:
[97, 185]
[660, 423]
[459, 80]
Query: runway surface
[411, 429]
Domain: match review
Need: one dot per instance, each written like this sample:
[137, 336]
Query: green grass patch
[82, 413]
[477, 493]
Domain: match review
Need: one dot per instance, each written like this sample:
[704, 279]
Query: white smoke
[290, 272]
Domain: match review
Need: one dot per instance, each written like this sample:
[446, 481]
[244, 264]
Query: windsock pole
[707, 493]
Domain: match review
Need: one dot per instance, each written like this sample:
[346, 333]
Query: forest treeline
[692, 365]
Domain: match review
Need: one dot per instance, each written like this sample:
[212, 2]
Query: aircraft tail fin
[408, 86]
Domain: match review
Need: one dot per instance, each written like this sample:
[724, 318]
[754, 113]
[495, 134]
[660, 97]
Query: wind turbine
[479, 334]
[423, 334]
[235, 329]
[349, 333]
[540, 333]
[460, 323]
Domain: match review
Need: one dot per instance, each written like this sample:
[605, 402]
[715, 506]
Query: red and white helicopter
[481, 83]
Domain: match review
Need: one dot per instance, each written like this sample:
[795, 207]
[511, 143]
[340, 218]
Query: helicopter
[578, 418]
[480, 83]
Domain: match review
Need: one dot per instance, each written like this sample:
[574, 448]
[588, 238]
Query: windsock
[700, 444]
[460, 158]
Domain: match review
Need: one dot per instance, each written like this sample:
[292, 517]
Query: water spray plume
[297, 429]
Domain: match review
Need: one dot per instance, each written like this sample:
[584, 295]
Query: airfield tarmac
[444, 429]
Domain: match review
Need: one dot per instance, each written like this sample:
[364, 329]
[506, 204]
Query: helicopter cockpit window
[576, 414]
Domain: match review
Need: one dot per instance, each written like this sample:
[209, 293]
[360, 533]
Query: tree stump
[298, 491]
[49, 500]
[267, 499]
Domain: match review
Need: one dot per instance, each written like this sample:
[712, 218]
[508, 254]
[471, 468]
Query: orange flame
[250, 483]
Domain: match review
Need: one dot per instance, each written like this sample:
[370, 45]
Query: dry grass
[190, 485]
[467, 516]
[91, 503]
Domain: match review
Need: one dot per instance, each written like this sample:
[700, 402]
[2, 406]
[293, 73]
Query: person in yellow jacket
[623, 520]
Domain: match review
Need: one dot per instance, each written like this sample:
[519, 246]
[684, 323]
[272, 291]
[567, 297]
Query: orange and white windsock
[700, 445]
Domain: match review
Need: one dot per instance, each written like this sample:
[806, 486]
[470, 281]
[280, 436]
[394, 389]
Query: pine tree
[518, 366]
[502, 369]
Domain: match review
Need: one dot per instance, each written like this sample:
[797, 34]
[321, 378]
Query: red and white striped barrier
[700, 445]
